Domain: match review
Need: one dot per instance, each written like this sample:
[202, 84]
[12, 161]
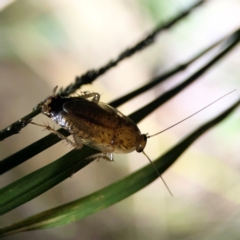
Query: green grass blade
[150, 107]
[165, 76]
[30, 151]
[114, 193]
[34, 184]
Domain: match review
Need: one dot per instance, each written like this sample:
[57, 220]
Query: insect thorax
[53, 108]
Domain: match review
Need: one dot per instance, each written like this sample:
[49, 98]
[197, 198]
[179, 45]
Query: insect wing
[113, 110]
[78, 114]
[99, 123]
[77, 105]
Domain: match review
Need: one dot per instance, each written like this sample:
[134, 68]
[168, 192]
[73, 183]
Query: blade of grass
[164, 76]
[35, 183]
[114, 193]
[30, 151]
[147, 109]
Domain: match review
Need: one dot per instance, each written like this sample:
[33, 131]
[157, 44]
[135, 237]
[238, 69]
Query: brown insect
[98, 125]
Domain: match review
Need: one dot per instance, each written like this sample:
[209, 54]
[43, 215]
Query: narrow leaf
[114, 193]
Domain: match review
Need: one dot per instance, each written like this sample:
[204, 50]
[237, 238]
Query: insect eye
[141, 143]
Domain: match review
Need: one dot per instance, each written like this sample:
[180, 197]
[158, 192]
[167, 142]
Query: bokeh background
[47, 43]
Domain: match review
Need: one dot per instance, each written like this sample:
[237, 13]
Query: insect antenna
[154, 166]
[149, 136]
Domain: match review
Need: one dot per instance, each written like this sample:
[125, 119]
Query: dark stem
[147, 109]
[91, 75]
[164, 76]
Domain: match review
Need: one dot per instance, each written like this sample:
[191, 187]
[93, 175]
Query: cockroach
[99, 125]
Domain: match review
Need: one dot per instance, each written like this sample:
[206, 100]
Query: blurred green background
[47, 43]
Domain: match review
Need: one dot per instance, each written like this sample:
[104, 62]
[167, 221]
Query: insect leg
[106, 156]
[78, 141]
[75, 145]
[95, 96]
